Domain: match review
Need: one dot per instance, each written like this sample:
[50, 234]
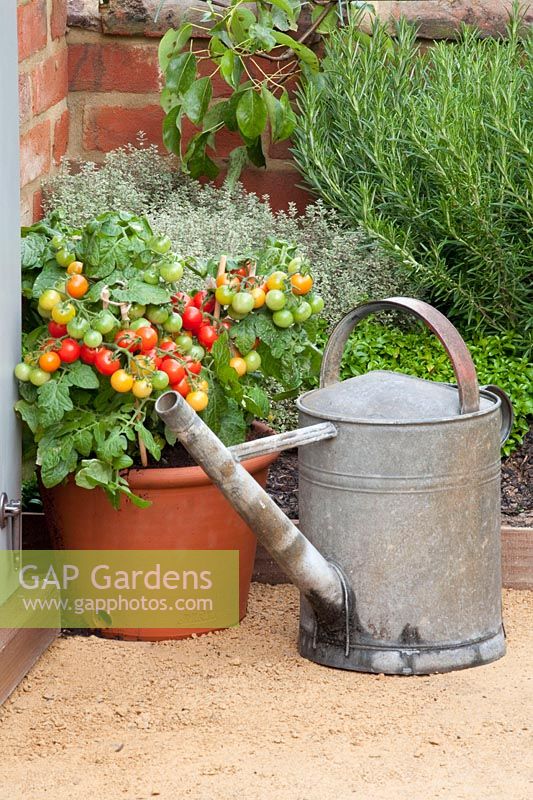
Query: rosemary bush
[433, 154]
[204, 222]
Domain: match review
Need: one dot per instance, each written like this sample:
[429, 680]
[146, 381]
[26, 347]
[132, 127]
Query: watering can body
[398, 553]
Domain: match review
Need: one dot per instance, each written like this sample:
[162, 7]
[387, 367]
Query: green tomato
[105, 322]
[64, 257]
[57, 241]
[160, 244]
[197, 352]
[159, 379]
[235, 314]
[294, 265]
[174, 323]
[302, 312]
[283, 318]
[224, 295]
[184, 343]
[39, 377]
[151, 276]
[92, 338]
[253, 361]
[23, 371]
[157, 314]
[43, 312]
[242, 303]
[275, 299]
[171, 271]
[139, 323]
[77, 328]
[136, 311]
[316, 303]
[49, 299]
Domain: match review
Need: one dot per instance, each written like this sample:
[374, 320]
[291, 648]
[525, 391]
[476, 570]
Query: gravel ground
[239, 715]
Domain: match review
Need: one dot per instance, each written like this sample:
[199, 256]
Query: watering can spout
[321, 582]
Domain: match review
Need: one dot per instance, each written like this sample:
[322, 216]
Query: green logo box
[120, 588]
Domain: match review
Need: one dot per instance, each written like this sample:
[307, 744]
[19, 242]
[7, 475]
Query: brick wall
[43, 87]
[114, 85]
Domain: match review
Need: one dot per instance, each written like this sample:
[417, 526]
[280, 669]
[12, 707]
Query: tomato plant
[101, 343]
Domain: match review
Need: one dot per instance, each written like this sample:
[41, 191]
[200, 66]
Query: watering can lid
[386, 396]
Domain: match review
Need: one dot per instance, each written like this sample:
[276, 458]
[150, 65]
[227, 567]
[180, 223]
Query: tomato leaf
[83, 442]
[197, 99]
[53, 401]
[33, 246]
[143, 293]
[256, 401]
[83, 376]
[51, 276]
[148, 440]
[29, 413]
[94, 472]
[251, 114]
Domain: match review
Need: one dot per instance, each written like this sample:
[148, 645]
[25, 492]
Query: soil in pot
[187, 513]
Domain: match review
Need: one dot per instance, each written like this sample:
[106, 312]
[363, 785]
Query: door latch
[11, 513]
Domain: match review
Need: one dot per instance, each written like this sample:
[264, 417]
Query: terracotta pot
[79, 519]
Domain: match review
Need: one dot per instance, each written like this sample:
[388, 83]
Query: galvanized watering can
[398, 556]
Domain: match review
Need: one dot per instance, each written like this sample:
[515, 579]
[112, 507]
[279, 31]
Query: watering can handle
[463, 366]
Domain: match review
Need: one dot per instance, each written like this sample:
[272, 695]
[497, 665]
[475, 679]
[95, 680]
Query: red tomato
[88, 354]
[194, 366]
[69, 351]
[148, 337]
[192, 318]
[174, 370]
[152, 355]
[129, 339]
[182, 300]
[198, 299]
[207, 336]
[168, 346]
[209, 306]
[106, 361]
[56, 330]
[183, 387]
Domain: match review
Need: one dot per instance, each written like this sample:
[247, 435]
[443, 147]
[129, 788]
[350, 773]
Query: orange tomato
[301, 284]
[197, 400]
[77, 286]
[277, 280]
[239, 365]
[121, 381]
[49, 362]
[259, 297]
[76, 268]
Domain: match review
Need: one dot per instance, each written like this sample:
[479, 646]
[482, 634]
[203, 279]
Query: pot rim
[175, 477]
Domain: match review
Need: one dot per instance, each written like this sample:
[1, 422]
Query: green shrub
[432, 153]
[203, 222]
[498, 358]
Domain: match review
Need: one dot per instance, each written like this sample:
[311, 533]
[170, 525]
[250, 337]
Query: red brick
[280, 150]
[108, 127]
[50, 81]
[58, 18]
[226, 141]
[37, 205]
[113, 67]
[24, 97]
[60, 142]
[32, 28]
[35, 153]
[282, 187]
